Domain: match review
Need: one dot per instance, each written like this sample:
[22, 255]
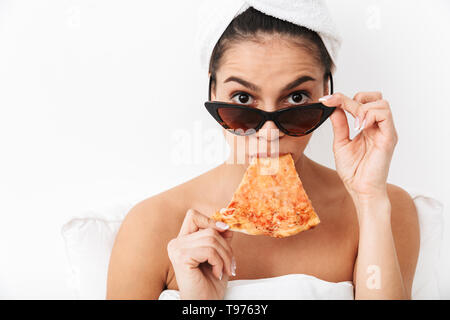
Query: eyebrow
[254, 87]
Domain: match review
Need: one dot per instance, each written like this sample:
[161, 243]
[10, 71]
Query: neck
[303, 165]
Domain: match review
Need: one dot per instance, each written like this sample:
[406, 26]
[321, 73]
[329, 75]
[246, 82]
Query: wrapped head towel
[214, 16]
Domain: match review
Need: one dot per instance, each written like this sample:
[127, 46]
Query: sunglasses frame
[214, 106]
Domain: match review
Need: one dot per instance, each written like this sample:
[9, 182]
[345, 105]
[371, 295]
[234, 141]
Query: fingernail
[325, 98]
[222, 225]
[221, 274]
[233, 266]
[363, 124]
[356, 123]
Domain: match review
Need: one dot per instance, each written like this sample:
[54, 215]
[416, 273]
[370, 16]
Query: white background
[87, 89]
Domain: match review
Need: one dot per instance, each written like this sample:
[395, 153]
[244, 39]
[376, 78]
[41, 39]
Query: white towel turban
[214, 16]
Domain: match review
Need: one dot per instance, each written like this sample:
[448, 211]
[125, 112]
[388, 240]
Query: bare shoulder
[402, 205]
[139, 266]
[139, 262]
[404, 220]
[405, 229]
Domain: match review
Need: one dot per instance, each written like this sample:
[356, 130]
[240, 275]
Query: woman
[368, 232]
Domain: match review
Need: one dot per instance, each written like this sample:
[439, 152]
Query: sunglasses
[293, 121]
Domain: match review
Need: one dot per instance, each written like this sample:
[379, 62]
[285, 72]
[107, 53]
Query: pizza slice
[270, 200]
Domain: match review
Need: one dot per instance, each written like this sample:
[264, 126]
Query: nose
[269, 131]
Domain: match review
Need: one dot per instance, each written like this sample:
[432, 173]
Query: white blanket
[288, 287]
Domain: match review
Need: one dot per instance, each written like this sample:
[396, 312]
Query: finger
[184, 251]
[194, 221]
[207, 254]
[375, 105]
[211, 234]
[342, 101]
[226, 258]
[340, 128]
[383, 119]
[365, 97]
[210, 237]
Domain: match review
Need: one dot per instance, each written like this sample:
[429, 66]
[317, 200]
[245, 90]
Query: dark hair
[251, 23]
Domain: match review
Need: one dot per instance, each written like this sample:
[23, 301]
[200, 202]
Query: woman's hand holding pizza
[363, 163]
[202, 257]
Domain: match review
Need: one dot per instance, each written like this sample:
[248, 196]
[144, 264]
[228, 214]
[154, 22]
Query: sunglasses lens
[236, 118]
[298, 121]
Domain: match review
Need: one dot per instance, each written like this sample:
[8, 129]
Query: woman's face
[262, 75]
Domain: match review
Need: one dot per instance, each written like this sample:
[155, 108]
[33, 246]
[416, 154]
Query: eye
[297, 97]
[242, 98]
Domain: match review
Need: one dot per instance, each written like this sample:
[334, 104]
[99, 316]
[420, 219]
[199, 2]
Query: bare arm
[389, 235]
[138, 263]
[388, 247]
